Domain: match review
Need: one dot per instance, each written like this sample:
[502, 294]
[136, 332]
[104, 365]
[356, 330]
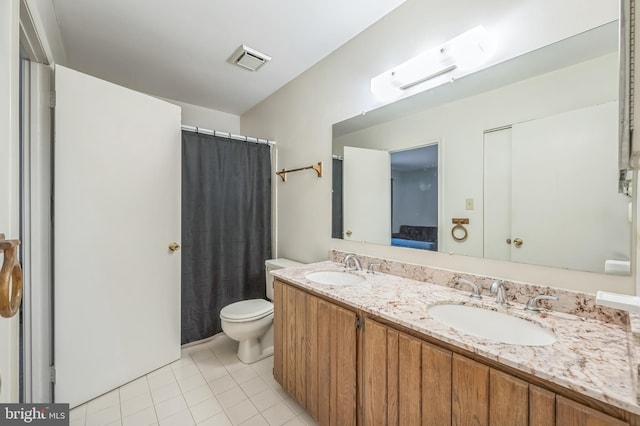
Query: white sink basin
[492, 325]
[334, 278]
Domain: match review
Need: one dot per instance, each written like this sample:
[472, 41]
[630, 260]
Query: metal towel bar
[316, 167]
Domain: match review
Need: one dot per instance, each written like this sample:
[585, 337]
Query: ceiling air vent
[249, 58]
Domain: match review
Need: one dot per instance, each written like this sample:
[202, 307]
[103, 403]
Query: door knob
[348, 233]
[517, 242]
[174, 247]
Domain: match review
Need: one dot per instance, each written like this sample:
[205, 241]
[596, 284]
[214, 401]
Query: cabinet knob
[174, 247]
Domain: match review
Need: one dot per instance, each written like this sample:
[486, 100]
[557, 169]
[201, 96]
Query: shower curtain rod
[226, 135]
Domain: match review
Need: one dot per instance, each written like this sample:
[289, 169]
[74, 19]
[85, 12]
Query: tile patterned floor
[208, 386]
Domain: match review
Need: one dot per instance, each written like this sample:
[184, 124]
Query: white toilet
[250, 322]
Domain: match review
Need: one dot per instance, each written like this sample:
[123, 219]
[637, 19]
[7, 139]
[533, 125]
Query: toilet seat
[246, 310]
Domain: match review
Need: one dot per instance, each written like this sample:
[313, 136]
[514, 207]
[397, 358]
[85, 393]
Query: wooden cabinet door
[312, 355]
[343, 367]
[571, 413]
[324, 363]
[377, 385]
[315, 354]
[406, 381]
[542, 407]
[436, 386]
[409, 380]
[300, 355]
[509, 400]
[393, 381]
[381, 381]
[289, 340]
[470, 392]
[336, 355]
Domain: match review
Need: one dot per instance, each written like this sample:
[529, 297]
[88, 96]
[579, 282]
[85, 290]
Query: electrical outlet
[469, 204]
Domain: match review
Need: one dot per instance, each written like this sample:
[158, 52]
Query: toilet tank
[272, 265]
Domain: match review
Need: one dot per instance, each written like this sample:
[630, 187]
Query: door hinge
[52, 374]
[358, 323]
[52, 99]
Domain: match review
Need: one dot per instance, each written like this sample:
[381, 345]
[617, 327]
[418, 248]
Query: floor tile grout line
[120, 404]
[153, 403]
[181, 394]
[85, 414]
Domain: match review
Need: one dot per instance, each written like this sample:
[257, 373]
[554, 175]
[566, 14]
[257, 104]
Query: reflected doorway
[414, 198]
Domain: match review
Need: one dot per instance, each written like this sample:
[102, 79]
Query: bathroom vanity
[370, 354]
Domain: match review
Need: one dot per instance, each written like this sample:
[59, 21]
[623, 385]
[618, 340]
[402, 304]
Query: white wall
[299, 116]
[211, 119]
[9, 55]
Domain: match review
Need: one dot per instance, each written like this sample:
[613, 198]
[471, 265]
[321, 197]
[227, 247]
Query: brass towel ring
[459, 226]
[10, 278]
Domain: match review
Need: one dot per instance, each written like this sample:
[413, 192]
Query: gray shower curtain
[226, 227]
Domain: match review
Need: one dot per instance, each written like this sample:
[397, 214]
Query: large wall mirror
[517, 162]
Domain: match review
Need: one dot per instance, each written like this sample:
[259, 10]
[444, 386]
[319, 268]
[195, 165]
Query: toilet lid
[246, 310]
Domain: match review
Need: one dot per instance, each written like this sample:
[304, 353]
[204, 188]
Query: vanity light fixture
[464, 53]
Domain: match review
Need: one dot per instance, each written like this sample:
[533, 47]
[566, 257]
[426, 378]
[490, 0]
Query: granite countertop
[591, 357]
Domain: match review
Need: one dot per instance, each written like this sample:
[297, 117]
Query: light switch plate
[468, 204]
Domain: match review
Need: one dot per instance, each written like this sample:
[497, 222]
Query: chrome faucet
[532, 304]
[357, 265]
[497, 289]
[475, 291]
[371, 266]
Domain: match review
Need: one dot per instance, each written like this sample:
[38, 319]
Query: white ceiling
[179, 49]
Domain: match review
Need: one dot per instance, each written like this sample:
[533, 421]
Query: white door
[497, 194]
[367, 195]
[570, 192]
[117, 208]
